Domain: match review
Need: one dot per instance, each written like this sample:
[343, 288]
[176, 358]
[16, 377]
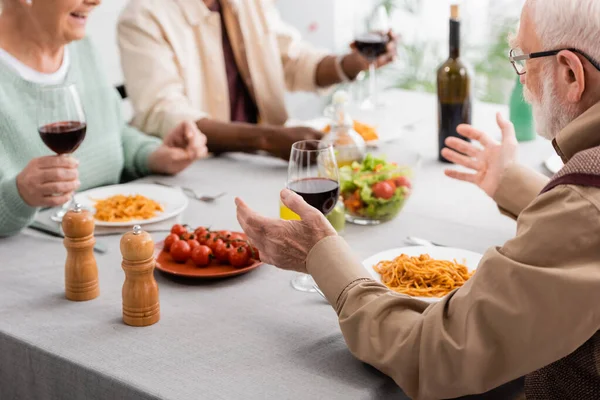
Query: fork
[192, 193]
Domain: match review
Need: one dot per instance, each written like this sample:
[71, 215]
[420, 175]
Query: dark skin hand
[249, 138]
[353, 63]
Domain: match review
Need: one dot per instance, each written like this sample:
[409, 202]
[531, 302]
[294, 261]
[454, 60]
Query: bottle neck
[454, 39]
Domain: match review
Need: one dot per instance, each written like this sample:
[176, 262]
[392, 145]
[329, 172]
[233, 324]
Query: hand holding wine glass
[384, 50]
[44, 177]
[374, 41]
[286, 244]
[314, 175]
[62, 127]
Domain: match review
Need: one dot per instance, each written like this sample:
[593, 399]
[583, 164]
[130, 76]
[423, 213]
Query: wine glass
[313, 174]
[61, 124]
[371, 40]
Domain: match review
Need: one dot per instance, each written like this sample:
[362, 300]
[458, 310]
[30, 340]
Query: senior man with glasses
[532, 309]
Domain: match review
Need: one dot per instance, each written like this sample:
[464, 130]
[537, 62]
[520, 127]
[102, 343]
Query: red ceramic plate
[165, 263]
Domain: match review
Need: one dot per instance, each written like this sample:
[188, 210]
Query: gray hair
[567, 23]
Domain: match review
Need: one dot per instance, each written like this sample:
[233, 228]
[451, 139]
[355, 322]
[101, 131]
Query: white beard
[550, 115]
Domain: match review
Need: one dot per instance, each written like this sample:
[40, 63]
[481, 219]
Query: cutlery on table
[415, 241]
[56, 232]
[192, 193]
[318, 290]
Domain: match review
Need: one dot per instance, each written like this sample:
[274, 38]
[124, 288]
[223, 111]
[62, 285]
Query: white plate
[554, 164]
[173, 200]
[470, 259]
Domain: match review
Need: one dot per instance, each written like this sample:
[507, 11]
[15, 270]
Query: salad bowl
[376, 190]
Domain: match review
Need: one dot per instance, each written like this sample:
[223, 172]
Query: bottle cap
[455, 11]
[340, 97]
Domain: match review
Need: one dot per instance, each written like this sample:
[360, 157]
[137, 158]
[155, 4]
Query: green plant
[493, 67]
[415, 71]
[411, 6]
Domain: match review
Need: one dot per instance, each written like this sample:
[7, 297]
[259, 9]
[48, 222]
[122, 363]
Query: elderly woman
[42, 43]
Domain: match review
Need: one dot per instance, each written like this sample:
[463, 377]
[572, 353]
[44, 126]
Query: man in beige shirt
[225, 64]
[531, 309]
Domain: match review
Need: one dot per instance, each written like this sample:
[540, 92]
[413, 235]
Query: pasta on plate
[422, 276]
[121, 208]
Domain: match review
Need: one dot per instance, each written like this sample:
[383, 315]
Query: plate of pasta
[132, 204]
[426, 273]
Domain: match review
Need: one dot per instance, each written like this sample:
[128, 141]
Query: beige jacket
[174, 68]
[532, 301]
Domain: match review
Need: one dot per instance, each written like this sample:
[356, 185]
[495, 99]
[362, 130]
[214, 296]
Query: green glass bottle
[521, 115]
[453, 88]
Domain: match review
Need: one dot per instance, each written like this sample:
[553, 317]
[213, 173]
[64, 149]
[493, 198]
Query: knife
[52, 231]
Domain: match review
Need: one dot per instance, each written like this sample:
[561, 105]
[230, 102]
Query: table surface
[250, 337]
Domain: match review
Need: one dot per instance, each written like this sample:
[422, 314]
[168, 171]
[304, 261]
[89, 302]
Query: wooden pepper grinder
[81, 271]
[141, 306]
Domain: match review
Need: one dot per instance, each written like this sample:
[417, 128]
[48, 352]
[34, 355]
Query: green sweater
[111, 148]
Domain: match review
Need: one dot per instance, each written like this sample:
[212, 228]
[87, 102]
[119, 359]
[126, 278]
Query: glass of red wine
[313, 174]
[61, 125]
[371, 40]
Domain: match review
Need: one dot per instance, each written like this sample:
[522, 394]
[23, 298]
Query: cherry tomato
[172, 238]
[202, 256]
[403, 181]
[237, 240]
[200, 231]
[178, 229]
[392, 182]
[193, 243]
[203, 239]
[221, 251]
[188, 236]
[225, 234]
[240, 257]
[383, 190]
[180, 251]
[213, 243]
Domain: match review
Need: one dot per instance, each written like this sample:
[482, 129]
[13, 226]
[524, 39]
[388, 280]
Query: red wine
[63, 137]
[320, 193]
[452, 116]
[454, 88]
[372, 45]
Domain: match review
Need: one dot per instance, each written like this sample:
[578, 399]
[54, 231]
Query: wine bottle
[454, 88]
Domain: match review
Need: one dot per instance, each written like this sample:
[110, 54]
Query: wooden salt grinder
[141, 306]
[81, 271]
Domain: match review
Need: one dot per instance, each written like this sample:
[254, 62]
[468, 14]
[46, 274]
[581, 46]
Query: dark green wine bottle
[454, 88]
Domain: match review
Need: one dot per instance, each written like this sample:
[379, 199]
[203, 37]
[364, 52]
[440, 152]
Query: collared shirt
[241, 105]
[531, 302]
[174, 65]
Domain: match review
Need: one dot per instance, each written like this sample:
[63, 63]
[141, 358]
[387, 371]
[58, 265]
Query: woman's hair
[567, 23]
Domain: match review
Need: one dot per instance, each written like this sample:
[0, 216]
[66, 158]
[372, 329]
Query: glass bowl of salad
[376, 190]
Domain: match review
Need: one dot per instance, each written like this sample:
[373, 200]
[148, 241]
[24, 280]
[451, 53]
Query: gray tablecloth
[250, 337]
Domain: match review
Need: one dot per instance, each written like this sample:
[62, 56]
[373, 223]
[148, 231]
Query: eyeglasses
[518, 59]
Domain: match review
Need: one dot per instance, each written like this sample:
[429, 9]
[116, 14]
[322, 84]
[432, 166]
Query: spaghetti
[121, 208]
[422, 276]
